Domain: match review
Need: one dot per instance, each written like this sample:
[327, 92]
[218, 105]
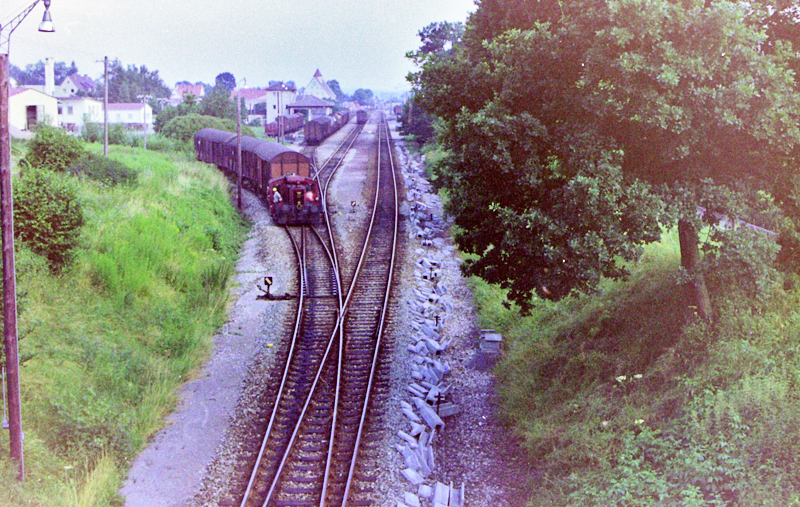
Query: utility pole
[15, 435]
[9, 278]
[105, 109]
[239, 152]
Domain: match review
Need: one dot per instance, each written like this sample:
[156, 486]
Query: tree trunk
[690, 260]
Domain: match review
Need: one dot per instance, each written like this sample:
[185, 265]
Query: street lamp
[7, 225]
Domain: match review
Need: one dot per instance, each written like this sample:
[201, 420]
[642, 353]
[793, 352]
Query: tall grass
[113, 337]
[623, 398]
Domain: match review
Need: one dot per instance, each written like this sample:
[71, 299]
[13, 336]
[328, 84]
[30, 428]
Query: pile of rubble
[426, 407]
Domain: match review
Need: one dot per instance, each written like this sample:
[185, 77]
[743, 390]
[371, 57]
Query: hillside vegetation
[109, 338]
[625, 397]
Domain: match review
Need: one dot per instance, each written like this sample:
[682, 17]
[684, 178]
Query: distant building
[311, 106]
[134, 115]
[319, 88]
[28, 108]
[74, 112]
[73, 85]
[187, 89]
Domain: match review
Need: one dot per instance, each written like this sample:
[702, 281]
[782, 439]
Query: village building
[134, 115]
[75, 85]
[319, 88]
[74, 112]
[310, 106]
[183, 89]
[28, 108]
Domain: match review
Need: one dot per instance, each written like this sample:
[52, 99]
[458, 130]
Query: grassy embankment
[622, 399]
[113, 337]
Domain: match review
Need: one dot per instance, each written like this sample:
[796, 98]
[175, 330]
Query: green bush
[48, 215]
[54, 149]
[92, 132]
[183, 128]
[107, 171]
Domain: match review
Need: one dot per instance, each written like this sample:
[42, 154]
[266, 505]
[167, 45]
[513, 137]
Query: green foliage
[219, 103]
[48, 215]
[183, 128]
[340, 95]
[623, 398]
[188, 106]
[363, 96]
[118, 334]
[106, 171]
[556, 112]
[226, 80]
[52, 148]
[128, 84]
[34, 72]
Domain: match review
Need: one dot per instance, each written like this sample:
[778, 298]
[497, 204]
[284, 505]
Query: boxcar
[361, 116]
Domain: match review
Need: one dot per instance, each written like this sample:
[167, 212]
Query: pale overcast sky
[362, 44]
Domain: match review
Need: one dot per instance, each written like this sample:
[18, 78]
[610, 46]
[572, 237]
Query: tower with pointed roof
[319, 88]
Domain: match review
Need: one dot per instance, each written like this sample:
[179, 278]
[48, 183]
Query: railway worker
[276, 196]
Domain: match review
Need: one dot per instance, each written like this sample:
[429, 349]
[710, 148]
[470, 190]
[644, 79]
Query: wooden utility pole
[105, 108]
[239, 152]
[9, 278]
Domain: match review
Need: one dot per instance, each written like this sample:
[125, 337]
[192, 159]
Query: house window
[60, 112]
[70, 110]
[274, 106]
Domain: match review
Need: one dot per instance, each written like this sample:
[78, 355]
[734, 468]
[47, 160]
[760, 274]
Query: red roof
[194, 89]
[249, 93]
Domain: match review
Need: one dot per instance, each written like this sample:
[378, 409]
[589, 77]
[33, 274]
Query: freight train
[280, 175]
[317, 129]
[291, 123]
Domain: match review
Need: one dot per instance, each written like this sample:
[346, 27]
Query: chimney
[49, 76]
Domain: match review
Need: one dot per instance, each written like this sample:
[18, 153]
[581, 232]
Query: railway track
[310, 449]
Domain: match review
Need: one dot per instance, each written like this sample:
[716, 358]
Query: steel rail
[301, 269]
[384, 128]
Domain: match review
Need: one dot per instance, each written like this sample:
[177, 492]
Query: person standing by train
[276, 196]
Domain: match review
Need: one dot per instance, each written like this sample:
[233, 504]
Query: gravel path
[191, 461]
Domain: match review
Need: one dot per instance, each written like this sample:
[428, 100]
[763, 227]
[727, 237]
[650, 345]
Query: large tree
[226, 80]
[576, 127]
[128, 84]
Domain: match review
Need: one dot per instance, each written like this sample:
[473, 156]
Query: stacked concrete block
[426, 405]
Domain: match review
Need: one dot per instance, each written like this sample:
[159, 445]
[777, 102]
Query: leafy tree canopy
[218, 102]
[577, 129]
[363, 97]
[127, 84]
[340, 95]
[34, 72]
[226, 80]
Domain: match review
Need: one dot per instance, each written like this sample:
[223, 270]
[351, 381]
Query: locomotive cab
[299, 201]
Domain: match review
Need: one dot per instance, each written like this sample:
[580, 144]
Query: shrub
[104, 170]
[184, 127]
[53, 149]
[47, 215]
[118, 134]
[92, 132]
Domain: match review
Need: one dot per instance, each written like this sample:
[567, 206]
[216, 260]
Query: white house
[27, 108]
[134, 115]
[275, 98]
[73, 85]
[278, 98]
[73, 112]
